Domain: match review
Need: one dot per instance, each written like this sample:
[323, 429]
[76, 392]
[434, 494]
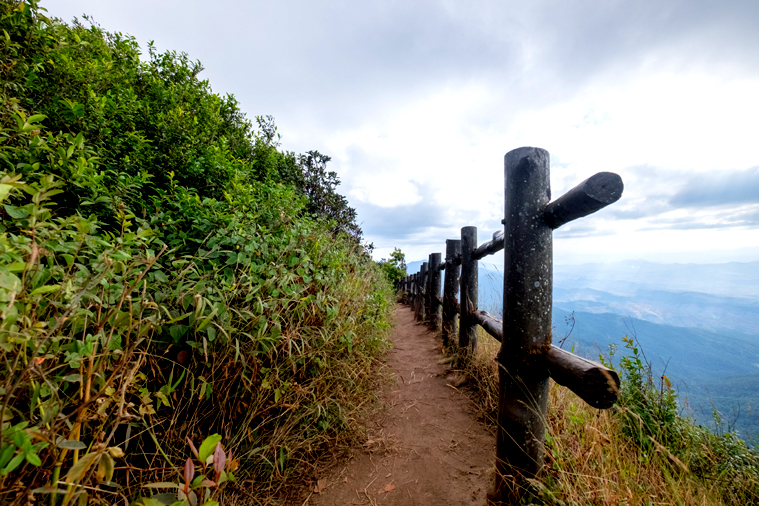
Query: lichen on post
[523, 375]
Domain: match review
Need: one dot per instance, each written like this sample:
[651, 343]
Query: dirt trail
[426, 448]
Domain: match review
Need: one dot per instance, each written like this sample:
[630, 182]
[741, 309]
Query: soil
[426, 447]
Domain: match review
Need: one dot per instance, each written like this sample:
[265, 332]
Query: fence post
[450, 287]
[416, 293]
[412, 288]
[433, 310]
[427, 290]
[422, 313]
[467, 324]
[527, 273]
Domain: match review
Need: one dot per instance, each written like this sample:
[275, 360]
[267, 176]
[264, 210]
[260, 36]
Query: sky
[418, 102]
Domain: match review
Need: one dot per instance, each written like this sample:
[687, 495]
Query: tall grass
[639, 452]
[116, 350]
[181, 301]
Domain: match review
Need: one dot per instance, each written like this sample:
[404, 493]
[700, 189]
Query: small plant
[216, 469]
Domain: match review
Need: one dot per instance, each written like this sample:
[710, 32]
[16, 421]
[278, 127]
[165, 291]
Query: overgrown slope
[640, 452]
[167, 273]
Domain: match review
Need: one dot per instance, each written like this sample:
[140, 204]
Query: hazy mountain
[698, 324]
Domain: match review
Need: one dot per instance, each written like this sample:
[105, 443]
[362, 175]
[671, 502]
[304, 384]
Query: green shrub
[163, 275]
[649, 412]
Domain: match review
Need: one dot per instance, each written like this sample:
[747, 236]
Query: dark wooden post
[433, 312]
[422, 293]
[450, 287]
[523, 375]
[467, 324]
[415, 293]
[427, 290]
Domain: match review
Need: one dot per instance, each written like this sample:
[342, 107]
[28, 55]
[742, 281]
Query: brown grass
[589, 460]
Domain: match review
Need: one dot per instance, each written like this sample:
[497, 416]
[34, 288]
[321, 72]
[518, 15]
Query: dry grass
[589, 459]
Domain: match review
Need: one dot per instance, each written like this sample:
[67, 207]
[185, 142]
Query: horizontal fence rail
[526, 357]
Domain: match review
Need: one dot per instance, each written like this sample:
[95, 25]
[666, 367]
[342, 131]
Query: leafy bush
[162, 276]
[649, 415]
[395, 267]
[147, 125]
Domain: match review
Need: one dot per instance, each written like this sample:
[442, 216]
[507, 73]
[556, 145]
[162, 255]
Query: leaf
[6, 454]
[177, 331]
[35, 117]
[105, 468]
[13, 464]
[16, 267]
[17, 213]
[192, 447]
[45, 289]
[33, 459]
[48, 490]
[78, 470]
[120, 255]
[208, 446]
[189, 470]
[148, 501]
[115, 452]
[219, 459]
[162, 484]
[4, 191]
[169, 498]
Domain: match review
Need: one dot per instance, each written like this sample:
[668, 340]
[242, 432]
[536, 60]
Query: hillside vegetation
[640, 452]
[182, 301]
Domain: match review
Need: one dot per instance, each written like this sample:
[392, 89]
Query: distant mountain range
[696, 323]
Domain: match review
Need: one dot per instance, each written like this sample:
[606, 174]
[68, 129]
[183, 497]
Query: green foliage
[164, 271]
[319, 186]
[147, 125]
[649, 414]
[216, 469]
[395, 267]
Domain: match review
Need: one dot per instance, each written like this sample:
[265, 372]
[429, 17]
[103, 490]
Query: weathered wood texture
[523, 375]
[493, 246]
[419, 307]
[592, 382]
[433, 318]
[593, 194]
[490, 323]
[526, 356]
[467, 324]
[450, 289]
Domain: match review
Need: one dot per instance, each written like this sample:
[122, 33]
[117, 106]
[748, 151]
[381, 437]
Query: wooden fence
[526, 357]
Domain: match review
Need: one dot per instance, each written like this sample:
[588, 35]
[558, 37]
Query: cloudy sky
[418, 101]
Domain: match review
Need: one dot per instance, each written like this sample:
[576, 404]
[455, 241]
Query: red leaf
[219, 459]
[194, 450]
[189, 472]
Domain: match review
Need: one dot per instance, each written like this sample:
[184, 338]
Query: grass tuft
[639, 452]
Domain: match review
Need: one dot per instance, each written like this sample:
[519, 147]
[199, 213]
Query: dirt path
[426, 448]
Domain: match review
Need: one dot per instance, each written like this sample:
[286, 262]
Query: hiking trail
[426, 446]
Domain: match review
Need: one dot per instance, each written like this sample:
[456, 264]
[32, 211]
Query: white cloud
[417, 103]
